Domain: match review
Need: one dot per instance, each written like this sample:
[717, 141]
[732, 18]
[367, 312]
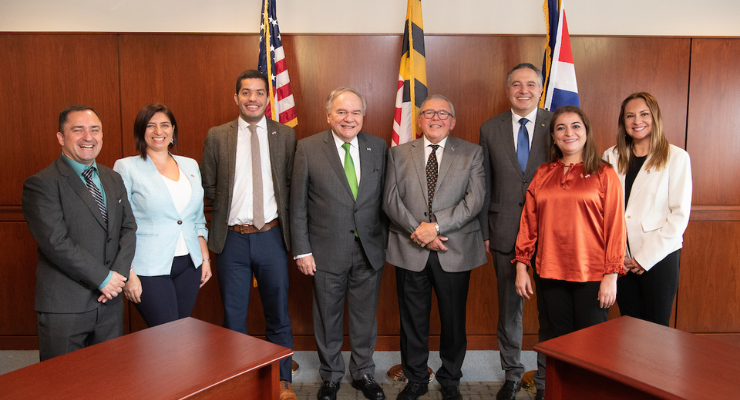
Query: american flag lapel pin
[273, 132]
[369, 149]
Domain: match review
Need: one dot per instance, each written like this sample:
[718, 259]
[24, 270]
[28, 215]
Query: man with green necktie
[339, 236]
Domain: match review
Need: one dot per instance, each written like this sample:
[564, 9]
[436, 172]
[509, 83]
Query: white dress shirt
[241, 212]
[530, 126]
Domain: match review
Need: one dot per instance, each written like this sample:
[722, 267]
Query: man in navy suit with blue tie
[515, 143]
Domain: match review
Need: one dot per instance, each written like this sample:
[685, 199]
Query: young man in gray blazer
[78, 212]
[434, 191]
[339, 230]
[515, 144]
[246, 171]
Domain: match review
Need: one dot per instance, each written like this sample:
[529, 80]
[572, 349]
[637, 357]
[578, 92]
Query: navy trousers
[166, 298]
[262, 254]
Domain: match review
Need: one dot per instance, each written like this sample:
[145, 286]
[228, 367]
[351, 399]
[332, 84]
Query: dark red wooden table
[627, 358]
[187, 358]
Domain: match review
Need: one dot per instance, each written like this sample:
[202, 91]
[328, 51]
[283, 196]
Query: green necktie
[349, 170]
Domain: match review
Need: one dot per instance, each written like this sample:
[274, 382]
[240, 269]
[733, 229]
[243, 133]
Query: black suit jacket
[76, 249]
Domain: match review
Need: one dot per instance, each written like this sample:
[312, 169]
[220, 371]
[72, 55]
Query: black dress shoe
[370, 389]
[508, 391]
[540, 394]
[451, 393]
[413, 391]
[328, 391]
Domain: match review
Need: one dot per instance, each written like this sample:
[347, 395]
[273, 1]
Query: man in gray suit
[79, 214]
[246, 170]
[339, 233]
[434, 190]
[514, 143]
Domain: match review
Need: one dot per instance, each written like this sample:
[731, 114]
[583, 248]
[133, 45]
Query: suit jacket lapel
[447, 158]
[330, 151]
[366, 167]
[538, 139]
[641, 180]
[78, 186]
[417, 155]
[506, 138]
[231, 140]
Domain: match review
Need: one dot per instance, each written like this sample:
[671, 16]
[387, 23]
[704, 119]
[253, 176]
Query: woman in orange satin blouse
[574, 219]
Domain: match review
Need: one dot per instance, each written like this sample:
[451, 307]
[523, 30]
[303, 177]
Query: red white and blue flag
[281, 106]
[559, 72]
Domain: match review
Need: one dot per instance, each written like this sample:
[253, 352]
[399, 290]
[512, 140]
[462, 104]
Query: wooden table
[187, 358]
[627, 358]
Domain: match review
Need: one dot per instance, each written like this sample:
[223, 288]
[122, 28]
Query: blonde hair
[659, 146]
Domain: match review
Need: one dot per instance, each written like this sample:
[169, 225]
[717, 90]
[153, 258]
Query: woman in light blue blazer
[656, 179]
[171, 261]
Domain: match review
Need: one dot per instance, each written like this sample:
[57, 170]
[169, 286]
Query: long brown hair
[591, 160]
[659, 146]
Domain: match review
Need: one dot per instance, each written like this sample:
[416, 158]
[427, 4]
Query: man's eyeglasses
[442, 114]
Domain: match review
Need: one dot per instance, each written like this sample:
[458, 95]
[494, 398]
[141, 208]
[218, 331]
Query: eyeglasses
[442, 114]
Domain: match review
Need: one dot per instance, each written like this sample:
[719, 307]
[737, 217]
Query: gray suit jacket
[457, 202]
[218, 167]
[506, 185]
[76, 250]
[324, 213]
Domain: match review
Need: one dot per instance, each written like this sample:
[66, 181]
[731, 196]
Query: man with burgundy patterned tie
[514, 143]
[339, 231]
[246, 170]
[434, 190]
[80, 216]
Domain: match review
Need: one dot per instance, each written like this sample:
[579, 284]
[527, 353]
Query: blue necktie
[522, 144]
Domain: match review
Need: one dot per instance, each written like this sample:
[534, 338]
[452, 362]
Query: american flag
[561, 88]
[282, 104]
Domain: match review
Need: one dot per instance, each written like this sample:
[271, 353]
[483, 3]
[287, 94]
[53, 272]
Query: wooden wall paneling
[714, 101]
[326, 62]
[609, 69]
[43, 73]
[708, 298]
[19, 280]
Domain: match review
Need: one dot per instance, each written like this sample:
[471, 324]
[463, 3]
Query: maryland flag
[412, 78]
[560, 73]
[272, 64]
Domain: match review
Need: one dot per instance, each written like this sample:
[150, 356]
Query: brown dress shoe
[286, 391]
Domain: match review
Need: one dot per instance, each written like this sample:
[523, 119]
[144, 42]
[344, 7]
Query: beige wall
[585, 17]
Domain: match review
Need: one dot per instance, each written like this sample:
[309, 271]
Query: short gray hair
[439, 97]
[338, 91]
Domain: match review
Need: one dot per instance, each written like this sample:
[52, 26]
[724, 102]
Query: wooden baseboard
[19, 343]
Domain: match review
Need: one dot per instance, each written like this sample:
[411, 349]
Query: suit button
[109, 239]
[520, 204]
[107, 263]
[629, 216]
[179, 222]
[425, 213]
[352, 232]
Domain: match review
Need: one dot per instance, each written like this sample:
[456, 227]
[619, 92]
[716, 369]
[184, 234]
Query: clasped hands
[630, 264]
[426, 235]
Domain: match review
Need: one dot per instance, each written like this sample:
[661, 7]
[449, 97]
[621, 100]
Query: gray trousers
[62, 333]
[509, 331]
[361, 285]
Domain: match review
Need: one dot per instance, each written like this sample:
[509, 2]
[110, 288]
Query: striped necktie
[95, 192]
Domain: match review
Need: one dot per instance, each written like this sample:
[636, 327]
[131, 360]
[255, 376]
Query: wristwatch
[436, 226]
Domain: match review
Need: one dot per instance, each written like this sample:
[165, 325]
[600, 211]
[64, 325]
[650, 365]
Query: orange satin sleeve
[576, 220]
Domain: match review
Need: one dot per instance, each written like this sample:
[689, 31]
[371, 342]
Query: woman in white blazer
[656, 179]
[171, 261]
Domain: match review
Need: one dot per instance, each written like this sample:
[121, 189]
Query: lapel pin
[273, 132]
[119, 200]
[192, 176]
[368, 149]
